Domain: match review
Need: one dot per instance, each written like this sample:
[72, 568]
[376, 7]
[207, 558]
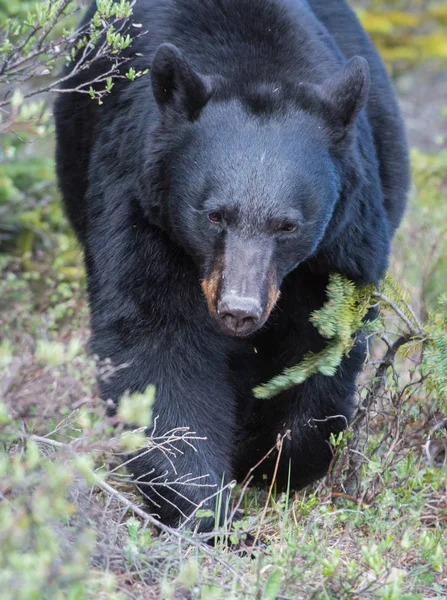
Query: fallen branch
[131, 506]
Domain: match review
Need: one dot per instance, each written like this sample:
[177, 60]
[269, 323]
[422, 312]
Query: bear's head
[247, 182]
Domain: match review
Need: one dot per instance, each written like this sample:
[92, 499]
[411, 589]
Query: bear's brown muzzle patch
[210, 288]
[273, 294]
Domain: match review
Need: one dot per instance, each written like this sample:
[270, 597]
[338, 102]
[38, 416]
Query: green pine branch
[341, 319]
[338, 320]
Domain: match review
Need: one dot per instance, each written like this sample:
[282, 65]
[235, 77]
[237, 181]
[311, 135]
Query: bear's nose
[239, 315]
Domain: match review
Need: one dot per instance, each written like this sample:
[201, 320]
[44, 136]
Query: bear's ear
[347, 93]
[176, 85]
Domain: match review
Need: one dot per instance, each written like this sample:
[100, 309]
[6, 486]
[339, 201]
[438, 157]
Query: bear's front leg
[304, 419]
[150, 319]
[187, 461]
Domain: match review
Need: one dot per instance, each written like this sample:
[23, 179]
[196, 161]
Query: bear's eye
[287, 228]
[215, 217]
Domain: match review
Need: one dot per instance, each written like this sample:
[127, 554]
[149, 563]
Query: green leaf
[204, 514]
[136, 409]
[273, 586]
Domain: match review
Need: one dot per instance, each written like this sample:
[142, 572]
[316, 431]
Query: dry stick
[351, 498]
[380, 376]
[110, 490]
[230, 485]
[413, 314]
[399, 313]
[395, 440]
[235, 507]
[249, 474]
[374, 392]
[133, 507]
[279, 445]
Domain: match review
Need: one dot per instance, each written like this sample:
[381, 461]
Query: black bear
[212, 198]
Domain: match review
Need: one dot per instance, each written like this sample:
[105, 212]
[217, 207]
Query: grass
[66, 535]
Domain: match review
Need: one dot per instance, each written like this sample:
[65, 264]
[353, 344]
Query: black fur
[261, 154]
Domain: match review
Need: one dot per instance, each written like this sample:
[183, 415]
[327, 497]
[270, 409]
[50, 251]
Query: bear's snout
[238, 315]
[242, 288]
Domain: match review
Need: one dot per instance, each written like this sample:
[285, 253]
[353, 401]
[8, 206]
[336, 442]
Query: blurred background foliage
[15, 8]
[406, 31]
